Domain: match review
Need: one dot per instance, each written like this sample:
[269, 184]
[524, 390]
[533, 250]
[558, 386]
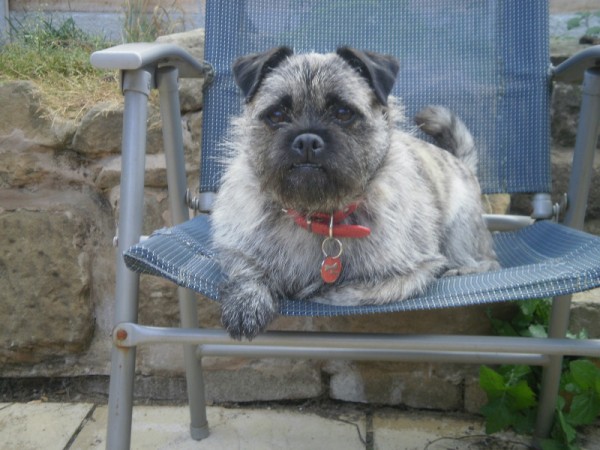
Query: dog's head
[315, 125]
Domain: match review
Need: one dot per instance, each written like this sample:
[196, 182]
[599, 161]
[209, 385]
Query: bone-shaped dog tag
[331, 267]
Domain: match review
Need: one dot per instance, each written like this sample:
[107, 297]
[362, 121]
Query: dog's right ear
[250, 70]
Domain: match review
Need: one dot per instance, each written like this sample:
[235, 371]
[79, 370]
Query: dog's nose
[308, 145]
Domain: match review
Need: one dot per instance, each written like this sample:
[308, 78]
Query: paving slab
[49, 426]
[415, 430]
[166, 427]
[39, 425]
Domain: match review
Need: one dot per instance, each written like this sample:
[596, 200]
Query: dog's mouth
[307, 166]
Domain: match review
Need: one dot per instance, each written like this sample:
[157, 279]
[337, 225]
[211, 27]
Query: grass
[56, 55]
[141, 26]
[56, 58]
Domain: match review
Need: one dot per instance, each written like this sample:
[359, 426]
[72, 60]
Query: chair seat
[543, 260]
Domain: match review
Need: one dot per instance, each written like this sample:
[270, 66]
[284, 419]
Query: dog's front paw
[246, 309]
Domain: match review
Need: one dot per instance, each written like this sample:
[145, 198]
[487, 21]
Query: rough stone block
[418, 385]
[561, 173]
[46, 310]
[23, 112]
[242, 380]
[585, 313]
[100, 130]
[475, 397]
[566, 101]
[190, 90]
[24, 165]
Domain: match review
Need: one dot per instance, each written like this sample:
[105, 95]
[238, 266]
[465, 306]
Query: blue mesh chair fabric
[543, 260]
[487, 60]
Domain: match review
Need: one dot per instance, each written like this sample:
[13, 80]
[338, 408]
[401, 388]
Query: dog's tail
[450, 133]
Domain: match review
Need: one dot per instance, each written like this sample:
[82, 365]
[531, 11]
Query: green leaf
[597, 386]
[593, 31]
[514, 373]
[567, 432]
[537, 331]
[571, 388]
[525, 424]
[521, 396]
[529, 307]
[573, 23]
[551, 444]
[491, 382]
[503, 328]
[584, 373]
[584, 409]
[498, 416]
[582, 334]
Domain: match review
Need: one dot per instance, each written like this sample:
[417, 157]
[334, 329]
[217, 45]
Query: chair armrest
[572, 70]
[138, 55]
[506, 222]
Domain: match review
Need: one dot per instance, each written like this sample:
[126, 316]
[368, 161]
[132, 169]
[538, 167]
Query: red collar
[318, 223]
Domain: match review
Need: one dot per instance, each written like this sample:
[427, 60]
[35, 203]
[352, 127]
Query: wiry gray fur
[421, 203]
[450, 133]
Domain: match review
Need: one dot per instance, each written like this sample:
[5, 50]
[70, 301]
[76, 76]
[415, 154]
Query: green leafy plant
[511, 400]
[512, 390]
[583, 19]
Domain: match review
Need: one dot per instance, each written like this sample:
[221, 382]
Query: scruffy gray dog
[326, 197]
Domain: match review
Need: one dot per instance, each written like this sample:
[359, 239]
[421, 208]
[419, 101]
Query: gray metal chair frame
[147, 66]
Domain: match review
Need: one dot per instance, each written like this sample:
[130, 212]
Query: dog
[328, 195]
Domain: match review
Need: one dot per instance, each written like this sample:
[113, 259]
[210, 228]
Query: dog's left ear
[379, 70]
[250, 70]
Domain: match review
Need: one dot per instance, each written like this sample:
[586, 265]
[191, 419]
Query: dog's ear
[250, 70]
[379, 70]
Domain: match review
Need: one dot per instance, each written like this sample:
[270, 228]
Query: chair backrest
[487, 60]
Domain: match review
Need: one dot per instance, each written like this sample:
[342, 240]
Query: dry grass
[56, 58]
[68, 96]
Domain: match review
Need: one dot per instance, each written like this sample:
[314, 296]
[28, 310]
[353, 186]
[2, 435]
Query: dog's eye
[277, 117]
[343, 114]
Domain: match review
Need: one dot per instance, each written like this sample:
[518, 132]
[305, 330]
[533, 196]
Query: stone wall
[59, 189]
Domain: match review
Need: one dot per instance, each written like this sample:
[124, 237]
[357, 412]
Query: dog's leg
[468, 246]
[247, 304]
[247, 307]
[474, 267]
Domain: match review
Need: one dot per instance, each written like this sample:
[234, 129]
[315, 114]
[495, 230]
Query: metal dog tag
[331, 267]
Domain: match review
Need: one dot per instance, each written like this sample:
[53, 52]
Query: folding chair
[486, 60]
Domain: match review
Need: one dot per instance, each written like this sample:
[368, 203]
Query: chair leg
[120, 398]
[176, 178]
[122, 369]
[136, 88]
[193, 368]
[559, 323]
